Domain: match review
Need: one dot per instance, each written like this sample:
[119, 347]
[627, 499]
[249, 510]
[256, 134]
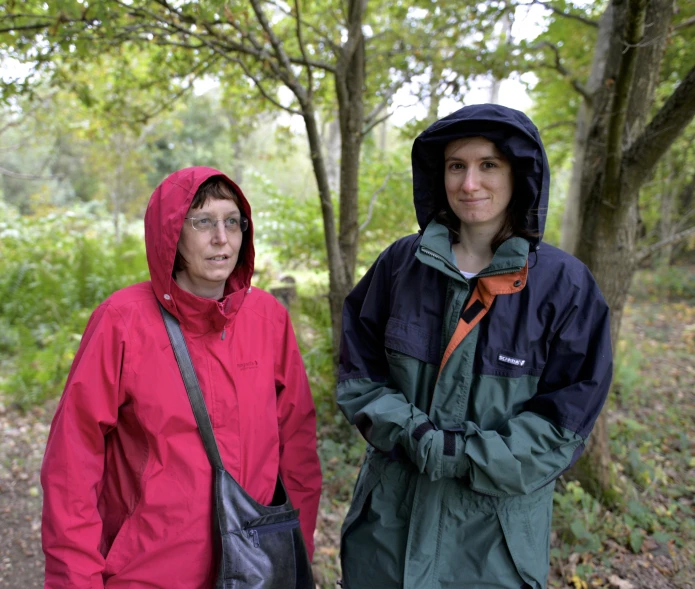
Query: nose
[471, 183]
[219, 233]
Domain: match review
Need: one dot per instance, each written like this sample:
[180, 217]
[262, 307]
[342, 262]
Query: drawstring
[224, 332]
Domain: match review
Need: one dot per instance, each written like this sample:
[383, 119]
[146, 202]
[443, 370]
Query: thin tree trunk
[505, 38]
[339, 281]
[435, 98]
[333, 144]
[350, 91]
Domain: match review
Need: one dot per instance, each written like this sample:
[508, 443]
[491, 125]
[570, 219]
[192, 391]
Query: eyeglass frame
[243, 223]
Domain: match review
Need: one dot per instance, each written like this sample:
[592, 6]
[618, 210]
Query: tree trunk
[572, 213]
[333, 154]
[350, 92]
[610, 181]
[436, 69]
[504, 39]
[339, 281]
[238, 165]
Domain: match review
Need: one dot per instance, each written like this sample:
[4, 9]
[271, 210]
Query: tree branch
[372, 200]
[384, 103]
[688, 22]
[322, 34]
[35, 27]
[262, 90]
[302, 49]
[369, 127]
[286, 74]
[11, 174]
[167, 103]
[644, 253]
[662, 131]
[576, 84]
[558, 124]
[579, 17]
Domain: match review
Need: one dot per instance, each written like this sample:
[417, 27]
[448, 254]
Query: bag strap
[190, 380]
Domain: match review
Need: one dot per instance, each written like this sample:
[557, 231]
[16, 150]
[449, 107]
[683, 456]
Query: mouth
[222, 258]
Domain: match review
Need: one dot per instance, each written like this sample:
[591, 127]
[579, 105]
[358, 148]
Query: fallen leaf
[616, 581]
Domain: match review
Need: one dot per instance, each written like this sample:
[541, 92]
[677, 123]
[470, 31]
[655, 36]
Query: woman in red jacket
[127, 484]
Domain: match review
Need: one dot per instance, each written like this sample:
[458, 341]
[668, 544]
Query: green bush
[55, 268]
[667, 283]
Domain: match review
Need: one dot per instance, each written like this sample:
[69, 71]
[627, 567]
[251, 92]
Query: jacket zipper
[436, 256]
[254, 533]
[451, 266]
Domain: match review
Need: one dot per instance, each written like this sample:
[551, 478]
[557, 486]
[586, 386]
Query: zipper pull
[224, 332]
[254, 535]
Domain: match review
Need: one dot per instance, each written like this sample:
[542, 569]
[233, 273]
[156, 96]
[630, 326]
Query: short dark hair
[216, 188]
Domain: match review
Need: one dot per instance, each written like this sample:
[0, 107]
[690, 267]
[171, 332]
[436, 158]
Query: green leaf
[579, 531]
[636, 540]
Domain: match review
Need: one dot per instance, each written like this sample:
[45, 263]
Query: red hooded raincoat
[127, 484]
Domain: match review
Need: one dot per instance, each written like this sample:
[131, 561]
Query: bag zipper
[254, 533]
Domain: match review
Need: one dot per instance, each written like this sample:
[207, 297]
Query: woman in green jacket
[474, 360]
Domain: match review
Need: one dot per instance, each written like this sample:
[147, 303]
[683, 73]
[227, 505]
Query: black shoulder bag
[261, 546]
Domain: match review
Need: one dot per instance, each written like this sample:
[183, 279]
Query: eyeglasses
[231, 224]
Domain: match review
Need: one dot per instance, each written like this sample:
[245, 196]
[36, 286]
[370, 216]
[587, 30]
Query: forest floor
[647, 543]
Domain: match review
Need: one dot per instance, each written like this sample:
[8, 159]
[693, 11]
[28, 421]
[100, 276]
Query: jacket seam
[126, 354]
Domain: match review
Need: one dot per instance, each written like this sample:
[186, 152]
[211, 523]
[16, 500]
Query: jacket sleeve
[300, 467]
[383, 415]
[73, 465]
[548, 435]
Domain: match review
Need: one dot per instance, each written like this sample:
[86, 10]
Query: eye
[231, 222]
[204, 222]
[456, 166]
[489, 165]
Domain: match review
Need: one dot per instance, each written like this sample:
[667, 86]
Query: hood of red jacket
[164, 220]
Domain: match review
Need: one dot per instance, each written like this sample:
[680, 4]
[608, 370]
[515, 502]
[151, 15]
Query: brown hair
[219, 189]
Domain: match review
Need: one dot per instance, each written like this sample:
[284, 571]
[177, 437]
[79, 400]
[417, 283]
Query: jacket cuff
[455, 461]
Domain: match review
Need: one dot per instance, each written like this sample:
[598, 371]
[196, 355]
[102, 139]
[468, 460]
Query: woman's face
[211, 255]
[478, 181]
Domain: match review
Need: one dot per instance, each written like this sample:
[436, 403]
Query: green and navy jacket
[474, 395]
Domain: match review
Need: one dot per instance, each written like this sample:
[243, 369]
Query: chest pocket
[412, 340]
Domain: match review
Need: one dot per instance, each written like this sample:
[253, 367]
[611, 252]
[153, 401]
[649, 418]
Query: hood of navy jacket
[164, 220]
[514, 135]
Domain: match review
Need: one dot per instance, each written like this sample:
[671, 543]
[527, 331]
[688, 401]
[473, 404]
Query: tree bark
[435, 98]
[339, 281]
[333, 154]
[573, 205]
[350, 92]
[610, 182]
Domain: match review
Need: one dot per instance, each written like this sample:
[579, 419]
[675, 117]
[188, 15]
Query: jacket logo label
[247, 365]
[510, 360]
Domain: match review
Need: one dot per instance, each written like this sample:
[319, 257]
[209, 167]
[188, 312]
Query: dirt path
[23, 438]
